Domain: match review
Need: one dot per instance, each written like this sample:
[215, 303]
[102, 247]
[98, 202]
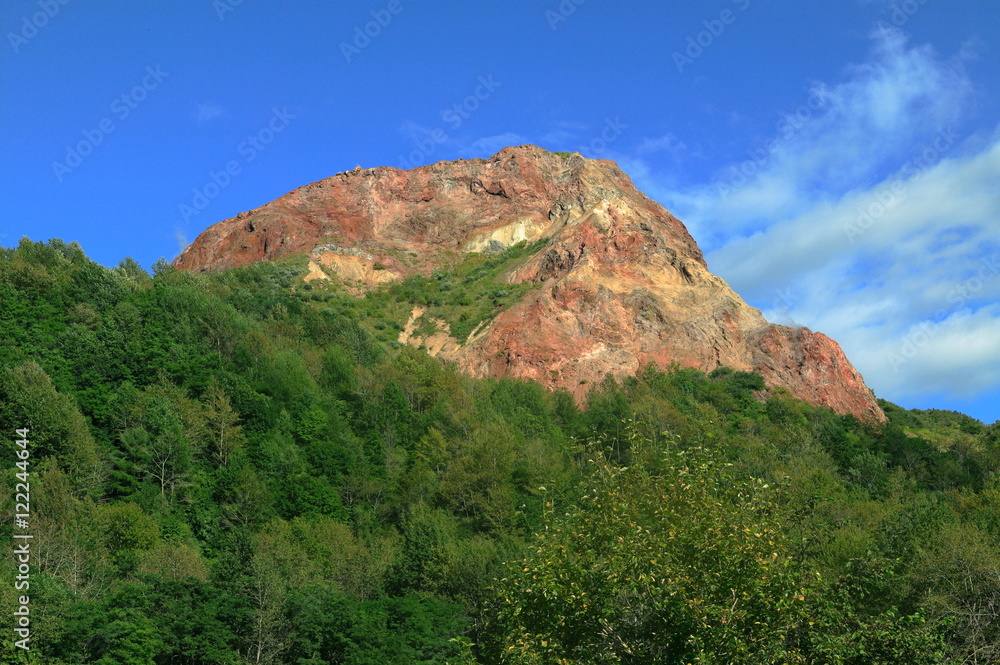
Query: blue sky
[838, 161]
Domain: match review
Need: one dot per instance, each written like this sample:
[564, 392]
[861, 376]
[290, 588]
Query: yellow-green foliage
[671, 558]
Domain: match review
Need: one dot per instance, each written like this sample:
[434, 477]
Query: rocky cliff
[621, 282]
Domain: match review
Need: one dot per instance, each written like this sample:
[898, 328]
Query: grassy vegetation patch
[470, 292]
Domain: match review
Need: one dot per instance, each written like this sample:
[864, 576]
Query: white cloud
[208, 111]
[564, 135]
[867, 216]
[972, 48]
[412, 130]
[958, 356]
[668, 143]
[840, 136]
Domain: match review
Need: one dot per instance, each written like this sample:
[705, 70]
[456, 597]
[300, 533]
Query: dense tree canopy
[245, 468]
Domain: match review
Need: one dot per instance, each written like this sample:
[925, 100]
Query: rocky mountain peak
[620, 281]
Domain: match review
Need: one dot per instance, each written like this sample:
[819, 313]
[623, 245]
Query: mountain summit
[619, 282]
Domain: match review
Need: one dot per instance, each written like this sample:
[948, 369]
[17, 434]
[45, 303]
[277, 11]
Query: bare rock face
[622, 283]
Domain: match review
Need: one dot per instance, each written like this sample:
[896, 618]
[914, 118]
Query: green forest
[244, 467]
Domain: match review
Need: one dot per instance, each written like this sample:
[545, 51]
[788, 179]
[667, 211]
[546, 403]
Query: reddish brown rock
[622, 283]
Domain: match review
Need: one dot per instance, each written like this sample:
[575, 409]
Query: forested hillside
[245, 468]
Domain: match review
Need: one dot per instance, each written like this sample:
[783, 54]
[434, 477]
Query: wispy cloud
[430, 144]
[208, 111]
[875, 217]
[488, 145]
[562, 135]
[668, 143]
